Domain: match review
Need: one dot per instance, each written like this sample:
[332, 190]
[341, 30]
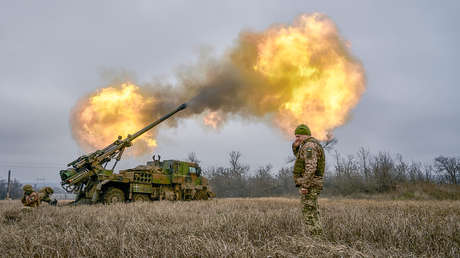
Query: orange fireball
[110, 112]
[311, 62]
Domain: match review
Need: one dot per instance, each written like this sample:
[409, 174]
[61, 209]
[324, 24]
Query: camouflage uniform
[30, 198]
[44, 195]
[308, 174]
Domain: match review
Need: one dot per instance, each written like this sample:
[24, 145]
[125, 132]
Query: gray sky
[54, 52]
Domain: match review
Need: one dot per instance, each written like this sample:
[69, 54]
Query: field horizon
[241, 227]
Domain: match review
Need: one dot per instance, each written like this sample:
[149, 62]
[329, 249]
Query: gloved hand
[303, 190]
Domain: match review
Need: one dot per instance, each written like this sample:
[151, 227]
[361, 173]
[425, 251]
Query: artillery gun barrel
[111, 149]
[150, 126]
[100, 155]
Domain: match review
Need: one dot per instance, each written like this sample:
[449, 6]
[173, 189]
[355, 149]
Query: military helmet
[47, 190]
[27, 188]
[303, 130]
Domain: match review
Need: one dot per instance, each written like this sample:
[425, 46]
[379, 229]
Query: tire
[114, 195]
[201, 195]
[141, 198]
[205, 195]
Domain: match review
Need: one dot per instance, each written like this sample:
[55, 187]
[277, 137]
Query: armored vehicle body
[157, 180]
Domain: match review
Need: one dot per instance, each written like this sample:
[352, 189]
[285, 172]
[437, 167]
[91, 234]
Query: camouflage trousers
[310, 212]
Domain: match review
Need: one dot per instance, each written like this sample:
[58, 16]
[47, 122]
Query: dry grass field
[233, 227]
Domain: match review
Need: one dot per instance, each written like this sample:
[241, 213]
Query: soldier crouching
[30, 198]
[44, 195]
[308, 175]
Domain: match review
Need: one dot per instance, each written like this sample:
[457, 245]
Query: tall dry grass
[233, 227]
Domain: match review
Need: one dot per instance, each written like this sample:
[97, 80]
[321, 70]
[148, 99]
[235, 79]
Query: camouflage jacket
[310, 164]
[44, 197]
[31, 200]
[44, 194]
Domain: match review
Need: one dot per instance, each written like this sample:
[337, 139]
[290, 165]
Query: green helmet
[27, 188]
[47, 190]
[303, 129]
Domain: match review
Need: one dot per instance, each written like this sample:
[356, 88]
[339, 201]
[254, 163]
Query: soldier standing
[308, 175]
[30, 198]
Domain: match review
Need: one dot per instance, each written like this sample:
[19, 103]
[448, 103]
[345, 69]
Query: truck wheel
[113, 195]
[201, 195]
[205, 195]
[141, 198]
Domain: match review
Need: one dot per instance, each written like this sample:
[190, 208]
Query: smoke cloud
[283, 76]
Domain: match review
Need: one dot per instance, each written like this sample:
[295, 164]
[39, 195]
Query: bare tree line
[382, 172]
[234, 180]
[363, 172]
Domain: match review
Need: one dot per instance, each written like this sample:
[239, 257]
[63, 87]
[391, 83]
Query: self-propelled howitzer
[82, 176]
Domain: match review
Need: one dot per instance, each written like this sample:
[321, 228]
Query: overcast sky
[54, 52]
